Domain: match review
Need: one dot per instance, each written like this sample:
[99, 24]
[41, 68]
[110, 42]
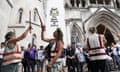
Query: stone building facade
[82, 14]
[74, 17]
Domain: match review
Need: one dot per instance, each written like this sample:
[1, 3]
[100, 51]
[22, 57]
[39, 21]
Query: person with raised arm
[12, 55]
[56, 49]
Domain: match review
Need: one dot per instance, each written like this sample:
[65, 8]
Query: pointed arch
[93, 1]
[76, 34]
[101, 29]
[106, 18]
[35, 14]
[118, 4]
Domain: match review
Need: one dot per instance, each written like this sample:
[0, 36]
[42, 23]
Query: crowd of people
[32, 57]
[93, 57]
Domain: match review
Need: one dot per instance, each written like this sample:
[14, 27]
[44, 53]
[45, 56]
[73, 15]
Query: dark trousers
[71, 65]
[25, 65]
[31, 66]
[80, 66]
[0, 64]
[96, 65]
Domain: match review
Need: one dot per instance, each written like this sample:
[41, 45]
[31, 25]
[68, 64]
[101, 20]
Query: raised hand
[43, 28]
[30, 27]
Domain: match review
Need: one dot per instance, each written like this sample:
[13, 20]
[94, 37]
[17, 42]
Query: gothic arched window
[107, 2]
[100, 1]
[20, 11]
[72, 3]
[93, 1]
[35, 14]
[83, 2]
[77, 3]
[118, 3]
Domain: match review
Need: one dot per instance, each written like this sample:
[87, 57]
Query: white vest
[96, 47]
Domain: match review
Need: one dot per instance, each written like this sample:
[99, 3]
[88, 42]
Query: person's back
[96, 51]
[94, 40]
[96, 47]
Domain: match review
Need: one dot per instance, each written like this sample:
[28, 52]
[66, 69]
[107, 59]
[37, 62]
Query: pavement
[20, 69]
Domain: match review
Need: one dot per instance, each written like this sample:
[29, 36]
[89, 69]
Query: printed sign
[54, 14]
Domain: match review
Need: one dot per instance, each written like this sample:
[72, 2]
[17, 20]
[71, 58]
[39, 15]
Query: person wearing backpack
[96, 51]
[56, 49]
[47, 50]
[12, 55]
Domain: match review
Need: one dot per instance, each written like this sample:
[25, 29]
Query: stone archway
[101, 29]
[76, 35]
[106, 21]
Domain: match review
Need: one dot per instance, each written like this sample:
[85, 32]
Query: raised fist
[43, 27]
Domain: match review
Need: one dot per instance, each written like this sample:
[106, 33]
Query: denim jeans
[10, 68]
[116, 61]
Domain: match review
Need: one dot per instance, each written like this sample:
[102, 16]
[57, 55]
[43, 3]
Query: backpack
[48, 50]
[63, 54]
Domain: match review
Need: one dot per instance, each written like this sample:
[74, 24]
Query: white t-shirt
[78, 51]
[22, 54]
[114, 51]
[118, 47]
[1, 52]
[40, 54]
